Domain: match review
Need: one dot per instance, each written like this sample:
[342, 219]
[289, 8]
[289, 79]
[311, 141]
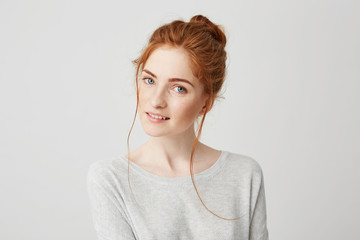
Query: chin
[154, 130]
[155, 133]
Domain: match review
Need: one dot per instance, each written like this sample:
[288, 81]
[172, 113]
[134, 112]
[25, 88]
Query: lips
[157, 116]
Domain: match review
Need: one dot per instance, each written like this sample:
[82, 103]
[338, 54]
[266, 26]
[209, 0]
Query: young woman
[174, 186]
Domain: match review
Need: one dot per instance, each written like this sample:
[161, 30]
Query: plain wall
[292, 97]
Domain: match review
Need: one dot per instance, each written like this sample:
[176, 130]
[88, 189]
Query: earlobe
[207, 107]
[203, 110]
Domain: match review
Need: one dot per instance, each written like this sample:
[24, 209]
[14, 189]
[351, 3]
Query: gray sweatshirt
[169, 208]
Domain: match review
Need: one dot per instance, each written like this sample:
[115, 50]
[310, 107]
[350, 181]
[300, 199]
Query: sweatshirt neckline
[178, 180]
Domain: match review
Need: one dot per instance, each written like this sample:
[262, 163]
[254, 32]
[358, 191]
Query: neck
[171, 153]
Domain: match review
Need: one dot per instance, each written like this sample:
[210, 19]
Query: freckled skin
[161, 96]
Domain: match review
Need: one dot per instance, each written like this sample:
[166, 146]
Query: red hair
[205, 44]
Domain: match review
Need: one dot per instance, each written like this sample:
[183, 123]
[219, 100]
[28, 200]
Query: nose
[158, 100]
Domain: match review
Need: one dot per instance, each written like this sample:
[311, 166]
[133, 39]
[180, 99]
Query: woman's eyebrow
[150, 73]
[171, 79]
[180, 80]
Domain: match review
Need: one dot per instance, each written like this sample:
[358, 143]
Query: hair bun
[215, 30]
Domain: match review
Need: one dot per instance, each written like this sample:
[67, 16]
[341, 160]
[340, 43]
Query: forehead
[170, 62]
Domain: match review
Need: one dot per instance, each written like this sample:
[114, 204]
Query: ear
[207, 106]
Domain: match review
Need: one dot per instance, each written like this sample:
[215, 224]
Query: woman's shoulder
[243, 163]
[106, 169]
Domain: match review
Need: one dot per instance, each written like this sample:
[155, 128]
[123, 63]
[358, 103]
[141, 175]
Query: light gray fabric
[170, 207]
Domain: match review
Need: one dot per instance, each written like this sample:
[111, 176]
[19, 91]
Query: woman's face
[170, 96]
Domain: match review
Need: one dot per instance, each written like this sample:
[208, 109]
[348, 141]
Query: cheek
[142, 98]
[188, 110]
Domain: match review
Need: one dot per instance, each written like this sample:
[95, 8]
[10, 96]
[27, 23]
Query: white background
[292, 97]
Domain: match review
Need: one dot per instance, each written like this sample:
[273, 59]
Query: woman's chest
[183, 216]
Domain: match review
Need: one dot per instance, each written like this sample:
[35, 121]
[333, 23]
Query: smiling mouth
[157, 116]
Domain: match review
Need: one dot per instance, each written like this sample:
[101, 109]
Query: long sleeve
[233, 185]
[108, 217]
[258, 225]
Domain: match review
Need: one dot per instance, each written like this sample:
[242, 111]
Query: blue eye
[180, 89]
[149, 80]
